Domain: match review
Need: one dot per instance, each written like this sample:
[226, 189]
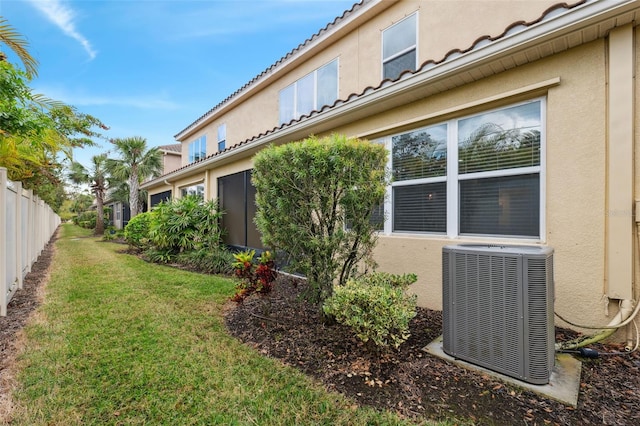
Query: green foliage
[186, 224]
[255, 277]
[208, 260]
[136, 162]
[87, 220]
[136, 232]
[159, 256]
[375, 307]
[110, 234]
[97, 177]
[386, 279]
[37, 134]
[306, 194]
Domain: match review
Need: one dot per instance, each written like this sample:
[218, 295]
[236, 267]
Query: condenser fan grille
[498, 308]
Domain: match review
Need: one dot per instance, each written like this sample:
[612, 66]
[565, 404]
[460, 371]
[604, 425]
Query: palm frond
[15, 42]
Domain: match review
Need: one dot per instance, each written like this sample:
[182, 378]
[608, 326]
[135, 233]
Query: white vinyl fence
[26, 226]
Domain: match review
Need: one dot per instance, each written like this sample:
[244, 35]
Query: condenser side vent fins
[498, 308]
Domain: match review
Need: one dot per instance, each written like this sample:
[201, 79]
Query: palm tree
[98, 179]
[136, 163]
[10, 37]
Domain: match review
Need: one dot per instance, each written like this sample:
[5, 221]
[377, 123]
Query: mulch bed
[409, 381]
[418, 385]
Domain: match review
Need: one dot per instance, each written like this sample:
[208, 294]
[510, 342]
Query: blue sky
[151, 67]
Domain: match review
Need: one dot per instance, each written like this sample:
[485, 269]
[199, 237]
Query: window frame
[222, 136]
[197, 186]
[414, 47]
[453, 178]
[198, 143]
[292, 91]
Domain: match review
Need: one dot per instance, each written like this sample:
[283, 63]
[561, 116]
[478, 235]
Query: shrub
[136, 233]
[87, 219]
[208, 260]
[384, 278]
[375, 307]
[185, 224]
[306, 194]
[254, 278]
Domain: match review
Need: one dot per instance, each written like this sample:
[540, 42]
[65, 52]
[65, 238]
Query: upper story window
[311, 92]
[222, 137]
[198, 149]
[475, 176]
[399, 48]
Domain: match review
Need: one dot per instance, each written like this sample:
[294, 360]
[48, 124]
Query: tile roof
[514, 28]
[176, 147]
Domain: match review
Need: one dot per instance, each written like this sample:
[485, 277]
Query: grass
[119, 341]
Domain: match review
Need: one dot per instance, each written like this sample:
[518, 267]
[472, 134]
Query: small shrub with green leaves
[376, 307]
[136, 233]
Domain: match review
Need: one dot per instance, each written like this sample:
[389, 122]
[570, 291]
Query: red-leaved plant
[255, 278]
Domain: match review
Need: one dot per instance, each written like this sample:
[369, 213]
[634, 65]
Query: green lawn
[123, 342]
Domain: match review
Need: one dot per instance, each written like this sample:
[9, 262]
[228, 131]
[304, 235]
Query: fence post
[18, 231]
[3, 241]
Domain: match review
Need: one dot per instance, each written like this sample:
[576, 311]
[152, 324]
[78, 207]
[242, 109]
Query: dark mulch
[418, 385]
[409, 381]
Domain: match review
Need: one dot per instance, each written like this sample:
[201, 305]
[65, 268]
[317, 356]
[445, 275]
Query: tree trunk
[100, 213]
[133, 193]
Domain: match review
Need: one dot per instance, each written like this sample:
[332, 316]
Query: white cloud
[63, 17]
[82, 99]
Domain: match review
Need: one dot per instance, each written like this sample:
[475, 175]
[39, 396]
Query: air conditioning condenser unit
[498, 308]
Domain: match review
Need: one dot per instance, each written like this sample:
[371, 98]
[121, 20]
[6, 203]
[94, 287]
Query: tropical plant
[98, 179]
[136, 163]
[315, 199]
[254, 277]
[36, 133]
[14, 41]
[185, 224]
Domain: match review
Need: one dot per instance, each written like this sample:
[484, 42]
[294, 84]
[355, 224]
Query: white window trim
[453, 178]
[297, 114]
[199, 140]
[223, 140]
[402, 52]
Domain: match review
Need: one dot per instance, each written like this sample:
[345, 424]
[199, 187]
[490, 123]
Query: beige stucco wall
[574, 179]
[171, 162]
[443, 25]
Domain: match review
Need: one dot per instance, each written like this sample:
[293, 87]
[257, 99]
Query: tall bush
[185, 224]
[136, 232]
[307, 194]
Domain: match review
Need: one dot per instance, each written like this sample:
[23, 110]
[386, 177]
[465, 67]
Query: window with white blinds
[477, 175]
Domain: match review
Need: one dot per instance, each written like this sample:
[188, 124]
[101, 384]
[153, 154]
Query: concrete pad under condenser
[563, 386]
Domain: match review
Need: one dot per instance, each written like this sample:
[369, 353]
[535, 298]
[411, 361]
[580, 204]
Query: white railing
[26, 226]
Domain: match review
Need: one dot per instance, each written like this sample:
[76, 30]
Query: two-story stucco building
[549, 87]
